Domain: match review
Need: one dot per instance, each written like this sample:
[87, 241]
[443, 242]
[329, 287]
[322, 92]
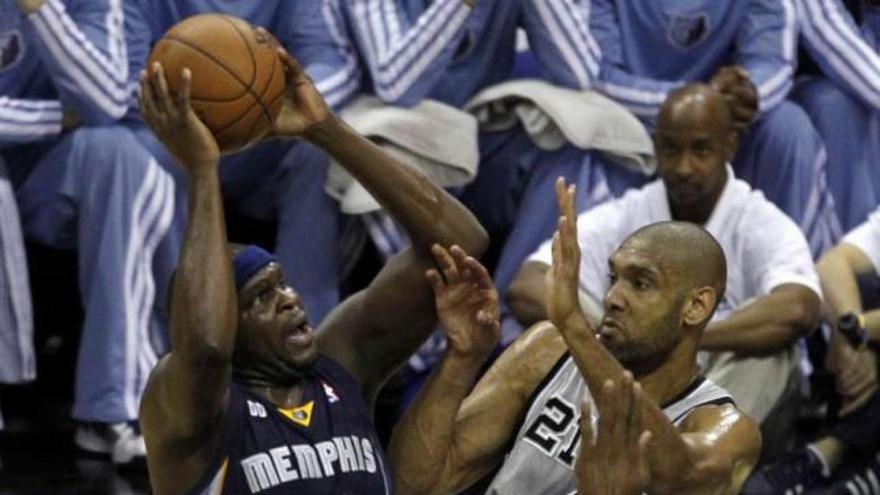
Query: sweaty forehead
[638, 254]
[269, 274]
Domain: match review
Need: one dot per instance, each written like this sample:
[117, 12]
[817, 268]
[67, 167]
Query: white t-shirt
[866, 237]
[764, 249]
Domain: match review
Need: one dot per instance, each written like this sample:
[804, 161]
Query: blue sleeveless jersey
[328, 445]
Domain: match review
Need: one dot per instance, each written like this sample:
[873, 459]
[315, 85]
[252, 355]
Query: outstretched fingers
[291, 65]
[183, 93]
[446, 263]
[146, 98]
[435, 280]
[160, 89]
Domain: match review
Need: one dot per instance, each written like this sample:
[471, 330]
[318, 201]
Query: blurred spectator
[746, 50]
[844, 100]
[843, 460]
[83, 181]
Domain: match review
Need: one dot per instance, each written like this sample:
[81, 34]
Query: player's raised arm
[185, 398]
[467, 306]
[373, 332]
[713, 451]
[614, 461]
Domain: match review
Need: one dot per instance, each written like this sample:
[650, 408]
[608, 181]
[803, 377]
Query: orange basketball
[237, 77]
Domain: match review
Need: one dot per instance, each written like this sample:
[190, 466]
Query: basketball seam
[271, 103]
[220, 64]
[247, 44]
[253, 64]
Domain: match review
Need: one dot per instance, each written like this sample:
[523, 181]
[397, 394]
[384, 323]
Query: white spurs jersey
[542, 456]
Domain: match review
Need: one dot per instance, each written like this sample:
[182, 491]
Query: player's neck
[673, 375]
[284, 391]
[286, 396]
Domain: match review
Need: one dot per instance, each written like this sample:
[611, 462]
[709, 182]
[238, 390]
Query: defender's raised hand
[467, 302]
[617, 463]
[562, 302]
[304, 107]
[172, 119]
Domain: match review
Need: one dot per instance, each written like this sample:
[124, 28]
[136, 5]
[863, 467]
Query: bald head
[688, 251]
[695, 106]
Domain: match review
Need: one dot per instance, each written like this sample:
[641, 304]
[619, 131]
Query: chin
[303, 360]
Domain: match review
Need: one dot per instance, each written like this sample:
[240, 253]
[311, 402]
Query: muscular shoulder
[725, 443]
[529, 358]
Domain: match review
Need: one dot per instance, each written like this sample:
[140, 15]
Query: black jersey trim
[699, 380]
[534, 396]
[715, 402]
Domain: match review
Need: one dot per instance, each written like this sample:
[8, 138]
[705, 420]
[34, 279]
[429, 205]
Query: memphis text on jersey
[287, 463]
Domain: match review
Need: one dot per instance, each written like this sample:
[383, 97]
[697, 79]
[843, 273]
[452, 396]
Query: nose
[614, 300]
[685, 169]
[289, 299]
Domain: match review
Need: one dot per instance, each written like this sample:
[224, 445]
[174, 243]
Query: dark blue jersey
[327, 445]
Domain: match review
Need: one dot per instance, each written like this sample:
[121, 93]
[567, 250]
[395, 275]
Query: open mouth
[298, 332]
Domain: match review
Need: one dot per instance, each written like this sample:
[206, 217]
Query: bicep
[724, 445]
[491, 415]
[485, 423]
[185, 400]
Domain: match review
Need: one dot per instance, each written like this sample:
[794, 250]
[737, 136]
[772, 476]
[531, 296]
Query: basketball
[237, 77]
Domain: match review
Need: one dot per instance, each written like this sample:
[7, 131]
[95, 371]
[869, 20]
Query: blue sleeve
[318, 41]
[833, 39]
[641, 95]
[83, 45]
[560, 38]
[25, 121]
[405, 59]
[766, 47]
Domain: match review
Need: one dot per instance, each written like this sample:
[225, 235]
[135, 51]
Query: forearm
[405, 60]
[769, 324]
[204, 306]
[527, 294]
[86, 57]
[25, 120]
[669, 457]
[839, 284]
[428, 214]
[872, 325]
[422, 442]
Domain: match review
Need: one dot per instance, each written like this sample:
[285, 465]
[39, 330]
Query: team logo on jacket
[11, 49]
[687, 31]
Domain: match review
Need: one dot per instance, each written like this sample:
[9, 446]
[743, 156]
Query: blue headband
[248, 262]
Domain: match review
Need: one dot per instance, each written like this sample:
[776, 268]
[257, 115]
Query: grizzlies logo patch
[11, 49]
[687, 31]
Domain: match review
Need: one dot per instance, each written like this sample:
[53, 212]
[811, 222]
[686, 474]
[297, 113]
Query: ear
[699, 306]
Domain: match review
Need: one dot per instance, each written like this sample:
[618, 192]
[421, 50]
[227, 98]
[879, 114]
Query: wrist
[201, 168]
[467, 360]
[325, 132]
[852, 326]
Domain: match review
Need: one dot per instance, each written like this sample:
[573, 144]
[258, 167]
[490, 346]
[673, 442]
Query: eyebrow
[272, 276]
[638, 268]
